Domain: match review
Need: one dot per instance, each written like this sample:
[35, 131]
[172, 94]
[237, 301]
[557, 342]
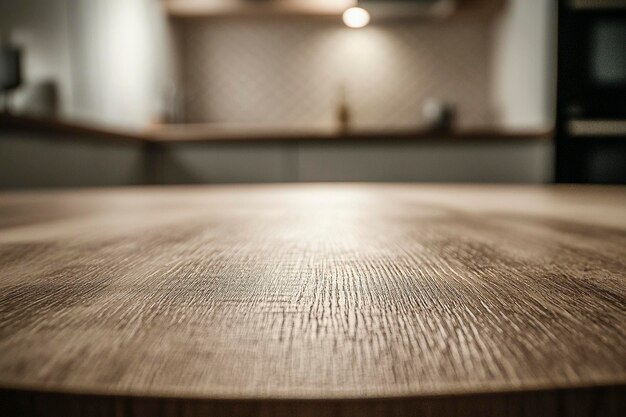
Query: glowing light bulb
[356, 17]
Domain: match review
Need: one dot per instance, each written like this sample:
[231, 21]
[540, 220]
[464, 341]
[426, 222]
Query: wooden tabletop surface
[267, 300]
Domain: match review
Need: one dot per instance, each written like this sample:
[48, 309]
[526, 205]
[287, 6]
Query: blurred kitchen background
[129, 92]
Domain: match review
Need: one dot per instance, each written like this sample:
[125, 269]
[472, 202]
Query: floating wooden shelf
[328, 8]
[217, 8]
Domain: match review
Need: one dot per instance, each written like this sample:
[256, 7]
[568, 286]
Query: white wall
[108, 57]
[120, 60]
[40, 26]
[524, 63]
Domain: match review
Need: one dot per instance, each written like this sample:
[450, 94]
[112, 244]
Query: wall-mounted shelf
[218, 8]
[379, 9]
[315, 8]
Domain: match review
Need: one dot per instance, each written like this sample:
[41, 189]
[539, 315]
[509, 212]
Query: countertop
[206, 132]
[314, 299]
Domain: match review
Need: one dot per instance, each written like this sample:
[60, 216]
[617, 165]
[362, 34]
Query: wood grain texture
[266, 300]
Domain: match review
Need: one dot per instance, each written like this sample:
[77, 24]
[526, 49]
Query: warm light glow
[356, 17]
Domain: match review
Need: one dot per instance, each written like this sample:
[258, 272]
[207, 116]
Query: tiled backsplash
[290, 71]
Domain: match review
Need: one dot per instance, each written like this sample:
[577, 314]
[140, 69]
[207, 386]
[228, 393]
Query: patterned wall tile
[290, 71]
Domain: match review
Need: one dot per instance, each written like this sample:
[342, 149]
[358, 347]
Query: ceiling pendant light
[356, 17]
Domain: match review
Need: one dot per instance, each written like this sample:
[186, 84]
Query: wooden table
[314, 300]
